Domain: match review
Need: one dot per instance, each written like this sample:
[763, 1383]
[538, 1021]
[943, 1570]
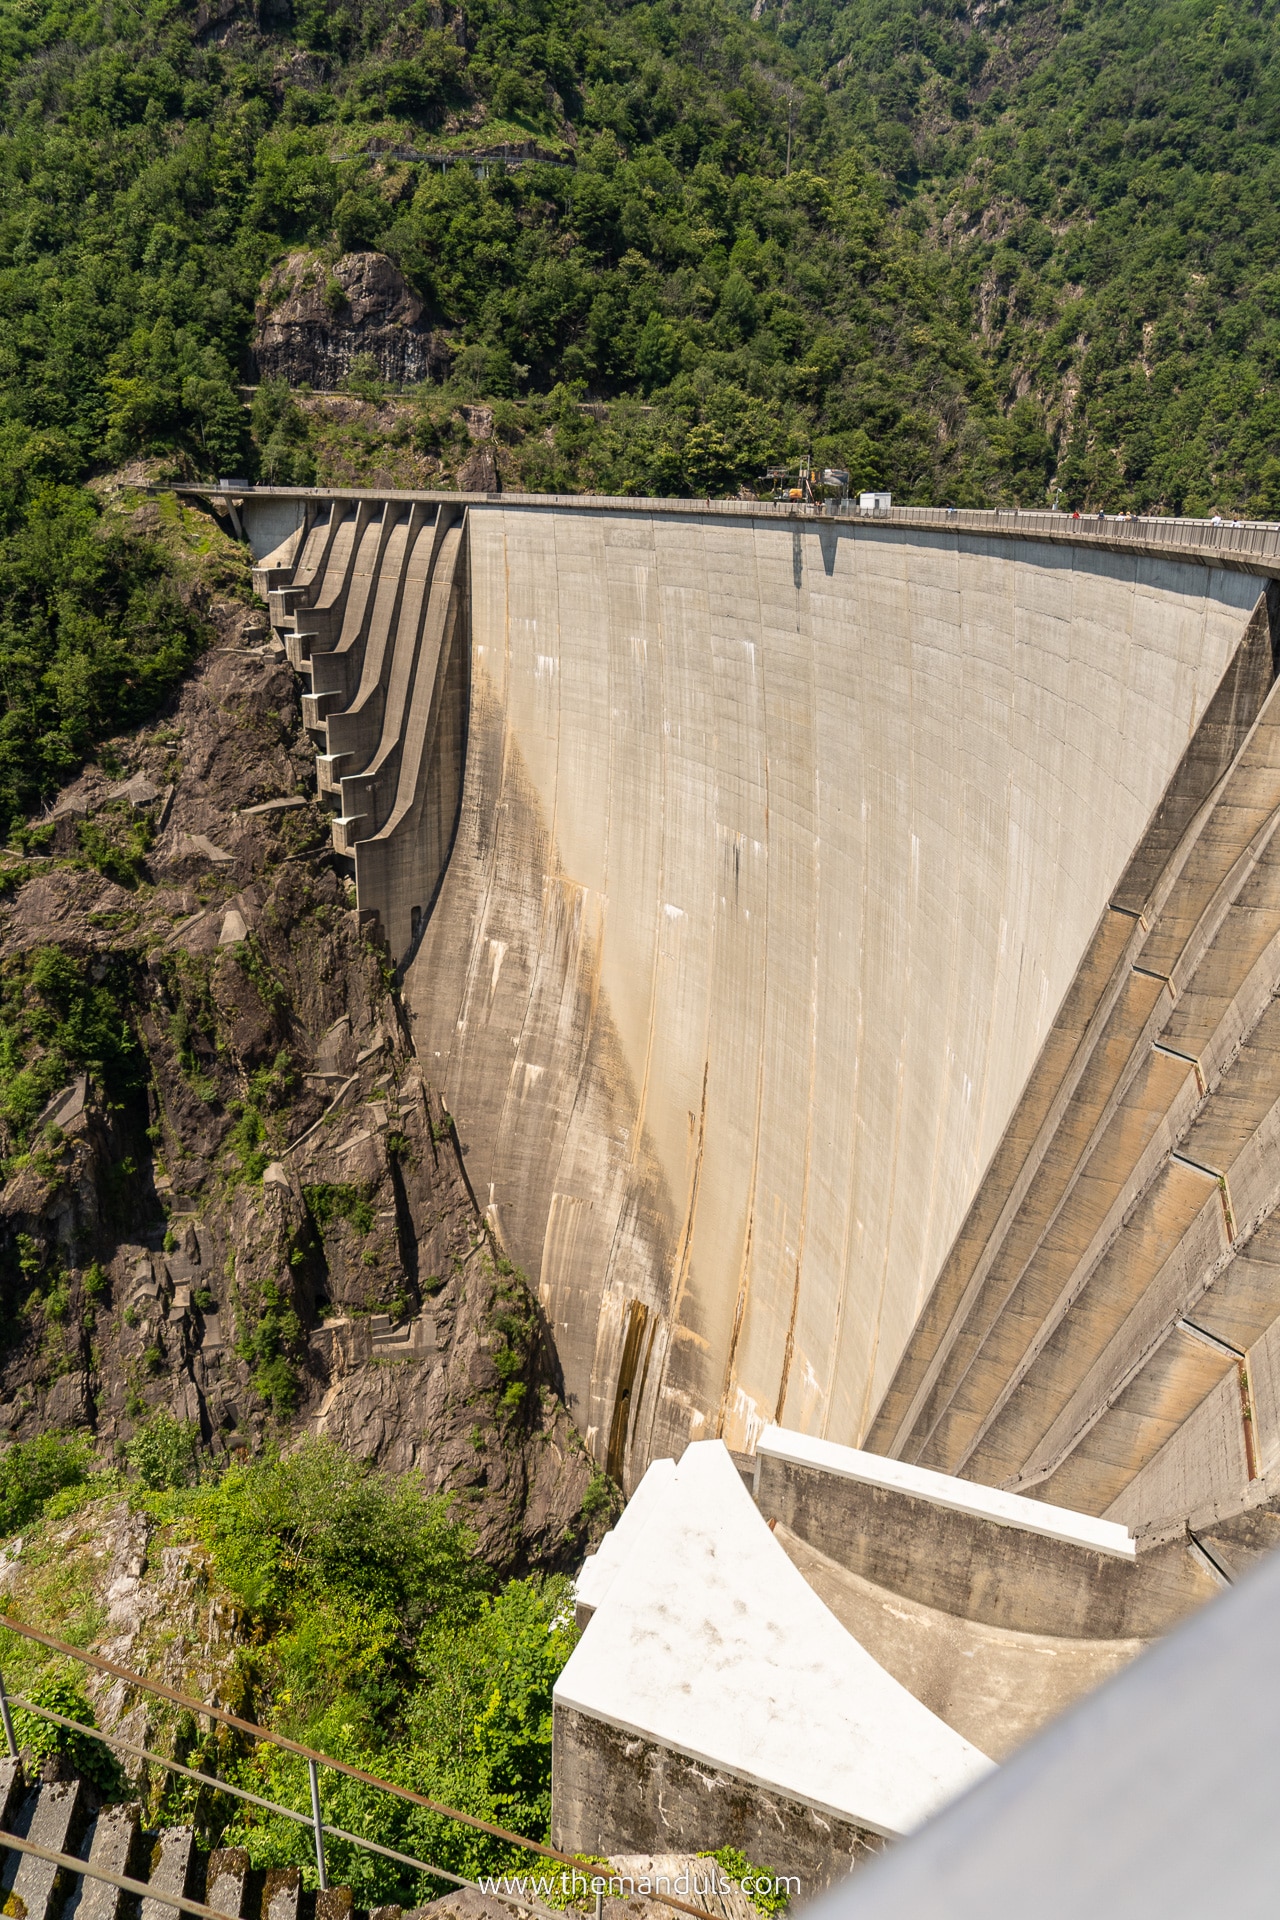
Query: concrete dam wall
[751, 874]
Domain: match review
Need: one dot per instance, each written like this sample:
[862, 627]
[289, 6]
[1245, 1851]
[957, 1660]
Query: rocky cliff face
[316, 322]
[153, 1604]
[245, 1202]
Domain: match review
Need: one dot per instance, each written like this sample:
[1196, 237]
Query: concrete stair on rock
[54, 1816]
[115, 1845]
[60, 1816]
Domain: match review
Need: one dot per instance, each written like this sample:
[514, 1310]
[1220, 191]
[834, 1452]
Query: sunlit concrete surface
[1154, 1799]
[709, 1647]
[777, 1448]
[994, 1685]
[779, 847]
[994, 1611]
[848, 957]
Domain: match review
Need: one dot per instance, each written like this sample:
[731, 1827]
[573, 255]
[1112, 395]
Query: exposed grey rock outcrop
[479, 472]
[315, 321]
[273, 1230]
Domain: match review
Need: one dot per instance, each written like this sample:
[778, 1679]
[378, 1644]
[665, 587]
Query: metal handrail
[280, 1740]
[1249, 546]
[225, 1786]
[311, 1755]
[256, 1799]
[1261, 537]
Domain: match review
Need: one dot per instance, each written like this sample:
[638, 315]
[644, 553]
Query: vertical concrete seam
[865, 1411]
[815, 831]
[748, 1239]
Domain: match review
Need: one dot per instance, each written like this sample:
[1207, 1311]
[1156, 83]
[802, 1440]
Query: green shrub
[466, 1718]
[93, 634]
[116, 847]
[282, 433]
[54, 1021]
[32, 1471]
[286, 1531]
[601, 1496]
[326, 1203]
[162, 1453]
[60, 1690]
[245, 1140]
[267, 1341]
[381, 1640]
[277, 1383]
[733, 1862]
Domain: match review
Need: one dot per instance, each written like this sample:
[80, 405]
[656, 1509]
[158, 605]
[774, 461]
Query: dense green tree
[92, 634]
[976, 256]
[1104, 178]
[659, 244]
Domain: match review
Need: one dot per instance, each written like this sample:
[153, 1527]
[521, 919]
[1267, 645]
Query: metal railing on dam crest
[1217, 542]
[784, 905]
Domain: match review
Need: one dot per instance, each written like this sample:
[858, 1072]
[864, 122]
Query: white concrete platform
[599, 1571]
[944, 1490]
[708, 1641]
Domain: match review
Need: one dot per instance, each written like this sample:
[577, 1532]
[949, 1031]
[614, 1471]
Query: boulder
[314, 321]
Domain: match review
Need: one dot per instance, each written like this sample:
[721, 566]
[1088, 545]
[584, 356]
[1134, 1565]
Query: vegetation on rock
[93, 634]
[34, 1472]
[365, 1624]
[386, 1641]
[59, 1690]
[962, 250]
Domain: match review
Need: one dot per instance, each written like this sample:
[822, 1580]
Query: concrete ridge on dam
[844, 945]
[1252, 545]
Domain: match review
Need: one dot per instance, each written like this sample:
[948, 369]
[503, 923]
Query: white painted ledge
[944, 1490]
[709, 1642]
[598, 1572]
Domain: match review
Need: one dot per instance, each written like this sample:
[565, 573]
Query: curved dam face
[780, 845]
[848, 951]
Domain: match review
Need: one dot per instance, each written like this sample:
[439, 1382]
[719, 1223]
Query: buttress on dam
[849, 949]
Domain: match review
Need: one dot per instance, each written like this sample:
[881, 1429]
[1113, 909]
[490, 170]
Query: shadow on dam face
[779, 850]
[823, 978]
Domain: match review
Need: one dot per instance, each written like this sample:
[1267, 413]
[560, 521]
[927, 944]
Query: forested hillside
[1103, 178]
[158, 160]
[967, 249]
[979, 253]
